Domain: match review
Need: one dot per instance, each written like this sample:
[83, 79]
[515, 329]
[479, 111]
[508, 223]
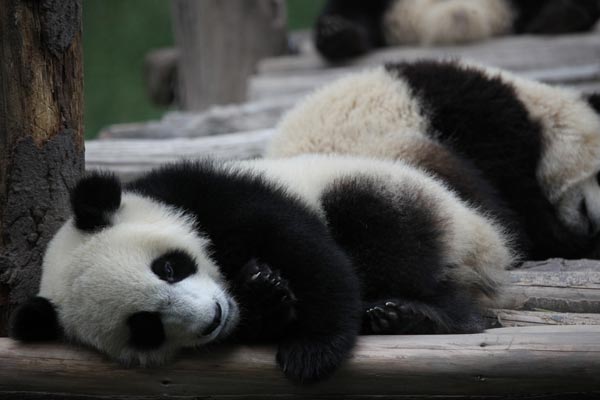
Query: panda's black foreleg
[399, 316]
[267, 303]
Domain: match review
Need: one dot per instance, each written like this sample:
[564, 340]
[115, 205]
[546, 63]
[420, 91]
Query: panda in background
[307, 252]
[526, 152]
[349, 28]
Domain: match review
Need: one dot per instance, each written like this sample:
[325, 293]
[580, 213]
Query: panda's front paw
[268, 290]
[306, 360]
[267, 303]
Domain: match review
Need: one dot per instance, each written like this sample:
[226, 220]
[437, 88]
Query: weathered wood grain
[130, 157]
[509, 361]
[509, 318]
[41, 135]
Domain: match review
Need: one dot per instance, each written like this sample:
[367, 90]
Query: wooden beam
[500, 362]
[509, 318]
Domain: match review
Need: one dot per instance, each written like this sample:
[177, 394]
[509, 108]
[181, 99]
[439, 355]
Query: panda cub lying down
[307, 251]
[349, 28]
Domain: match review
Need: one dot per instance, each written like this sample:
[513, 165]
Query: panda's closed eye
[174, 266]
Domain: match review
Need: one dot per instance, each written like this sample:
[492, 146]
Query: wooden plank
[130, 157]
[507, 318]
[513, 361]
[257, 115]
[517, 53]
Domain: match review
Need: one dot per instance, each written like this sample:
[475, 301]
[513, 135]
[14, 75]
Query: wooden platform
[533, 354]
[503, 363]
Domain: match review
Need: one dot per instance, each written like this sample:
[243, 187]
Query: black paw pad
[267, 285]
[390, 317]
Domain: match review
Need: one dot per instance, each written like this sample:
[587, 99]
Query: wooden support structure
[41, 136]
[506, 362]
[220, 43]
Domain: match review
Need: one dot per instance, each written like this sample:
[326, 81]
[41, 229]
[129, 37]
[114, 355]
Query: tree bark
[220, 43]
[41, 136]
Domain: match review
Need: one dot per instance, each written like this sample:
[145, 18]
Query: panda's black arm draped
[245, 217]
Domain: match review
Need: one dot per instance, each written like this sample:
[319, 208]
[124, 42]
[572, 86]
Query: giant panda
[307, 251]
[348, 28]
[526, 152]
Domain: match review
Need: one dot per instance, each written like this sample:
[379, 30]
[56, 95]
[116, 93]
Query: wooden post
[41, 137]
[220, 43]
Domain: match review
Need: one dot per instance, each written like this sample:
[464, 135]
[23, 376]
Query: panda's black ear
[94, 199]
[35, 320]
[594, 100]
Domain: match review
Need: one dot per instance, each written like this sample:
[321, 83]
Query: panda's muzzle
[215, 322]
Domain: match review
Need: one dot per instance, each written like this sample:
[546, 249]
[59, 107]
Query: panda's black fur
[349, 28]
[477, 117]
[372, 257]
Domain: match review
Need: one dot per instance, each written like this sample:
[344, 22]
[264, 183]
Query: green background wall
[117, 35]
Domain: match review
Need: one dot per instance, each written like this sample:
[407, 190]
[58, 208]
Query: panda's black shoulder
[220, 195]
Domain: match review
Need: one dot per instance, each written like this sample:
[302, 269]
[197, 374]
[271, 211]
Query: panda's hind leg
[397, 237]
[396, 316]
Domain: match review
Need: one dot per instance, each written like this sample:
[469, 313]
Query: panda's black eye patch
[174, 266]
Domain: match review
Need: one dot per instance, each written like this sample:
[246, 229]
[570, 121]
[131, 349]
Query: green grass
[117, 36]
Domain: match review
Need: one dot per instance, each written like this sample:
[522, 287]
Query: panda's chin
[230, 320]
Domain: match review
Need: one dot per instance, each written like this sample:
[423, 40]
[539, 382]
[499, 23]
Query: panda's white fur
[377, 113]
[479, 248]
[95, 279]
[446, 21]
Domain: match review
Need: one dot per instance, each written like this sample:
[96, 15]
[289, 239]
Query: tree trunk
[220, 43]
[41, 137]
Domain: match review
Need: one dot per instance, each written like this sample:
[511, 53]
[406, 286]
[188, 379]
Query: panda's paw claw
[268, 289]
[382, 318]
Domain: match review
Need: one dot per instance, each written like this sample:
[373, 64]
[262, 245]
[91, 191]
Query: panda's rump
[394, 237]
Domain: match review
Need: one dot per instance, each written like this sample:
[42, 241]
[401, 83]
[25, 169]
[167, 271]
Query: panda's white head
[128, 276]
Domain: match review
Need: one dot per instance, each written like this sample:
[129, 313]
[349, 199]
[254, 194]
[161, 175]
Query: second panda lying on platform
[523, 151]
[349, 28]
[306, 251]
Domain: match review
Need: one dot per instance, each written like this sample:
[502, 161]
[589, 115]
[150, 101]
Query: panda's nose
[215, 322]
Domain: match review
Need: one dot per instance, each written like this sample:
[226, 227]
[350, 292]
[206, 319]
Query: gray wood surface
[510, 361]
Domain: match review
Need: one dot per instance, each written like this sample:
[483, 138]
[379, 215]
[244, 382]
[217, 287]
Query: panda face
[579, 208]
[140, 287]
